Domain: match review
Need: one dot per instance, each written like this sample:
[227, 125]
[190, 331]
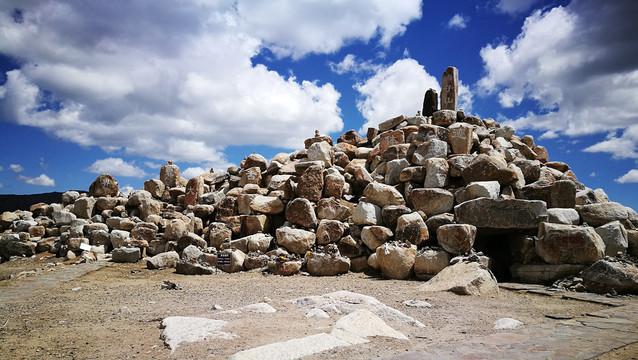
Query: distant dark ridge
[23, 202]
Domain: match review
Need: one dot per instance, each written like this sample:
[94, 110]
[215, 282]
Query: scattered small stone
[417, 304]
[506, 324]
[169, 285]
[559, 316]
[76, 288]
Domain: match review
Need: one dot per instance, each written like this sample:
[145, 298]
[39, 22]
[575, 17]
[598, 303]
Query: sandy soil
[115, 312]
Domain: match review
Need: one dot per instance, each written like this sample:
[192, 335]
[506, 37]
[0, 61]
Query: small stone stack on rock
[403, 201]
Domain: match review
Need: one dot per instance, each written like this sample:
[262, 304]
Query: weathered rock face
[560, 194]
[301, 212]
[614, 236]
[569, 244]
[396, 261]
[502, 213]
[163, 260]
[375, 236]
[430, 262]
[605, 277]
[456, 238]
[330, 231]
[295, 240]
[411, 229]
[432, 201]
[381, 195]
[450, 88]
[366, 213]
[311, 183]
[602, 213]
[104, 185]
[324, 264]
[170, 174]
[463, 278]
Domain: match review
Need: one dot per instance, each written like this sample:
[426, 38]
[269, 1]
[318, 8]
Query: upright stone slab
[450, 88]
[169, 174]
[430, 102]
[502, 213]
[194, 190]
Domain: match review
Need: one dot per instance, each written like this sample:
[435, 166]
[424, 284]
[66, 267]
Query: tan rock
[463, 278]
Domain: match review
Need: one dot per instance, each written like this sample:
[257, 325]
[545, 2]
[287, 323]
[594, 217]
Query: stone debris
[352, 329]
[399, 203]
[169, 285]
[506, 324]
[179, 329]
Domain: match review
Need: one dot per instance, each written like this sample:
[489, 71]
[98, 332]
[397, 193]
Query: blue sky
[121, 87]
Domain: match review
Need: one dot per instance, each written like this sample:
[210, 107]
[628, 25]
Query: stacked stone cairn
[415, 196]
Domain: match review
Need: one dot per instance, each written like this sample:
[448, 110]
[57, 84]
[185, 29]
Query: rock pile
[403, 201]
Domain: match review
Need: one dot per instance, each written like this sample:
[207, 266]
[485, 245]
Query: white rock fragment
[179, 329]
[506, 324]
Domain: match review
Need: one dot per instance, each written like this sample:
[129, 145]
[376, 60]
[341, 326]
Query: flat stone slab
[351, 329]
[571, 339]
[179, 329]
[570, 295]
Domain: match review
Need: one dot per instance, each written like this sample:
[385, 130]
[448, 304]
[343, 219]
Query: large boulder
[162, 261]
[611, 277]
[297, 241]
[366, 213]
[84, 207]
[569, 244]
[325, 264]
[170, 175]
[396, 261]
[456, 238]
[310, 184]
[614, 236]
[301, 212]
[602, 213]
[412, 229]
[432, 201]
[375, 236]
[559, 194]
[330, 231]
[502, 213]
[430, 262]
[463, 278]
[104, 185]
[381, 195]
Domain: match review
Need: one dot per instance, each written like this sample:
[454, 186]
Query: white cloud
[16, 168]
[41, 180]
[1, 185]
[398, 90]
[580, 64]
[181, 73]
[350, 63]
[514, 6]
[1, 168]
[192, 172]
[296, 28]
[457, 21]
[630, 177]
[152, 165]
[593, 174]
[116, 167]
[126, 190]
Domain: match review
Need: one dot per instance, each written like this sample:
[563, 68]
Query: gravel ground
[115, 313]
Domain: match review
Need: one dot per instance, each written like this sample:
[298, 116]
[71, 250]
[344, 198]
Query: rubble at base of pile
[401, 202]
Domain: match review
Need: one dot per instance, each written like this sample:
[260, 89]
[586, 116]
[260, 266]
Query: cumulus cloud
[399, 89]
[16, 168]
[514, 6]
[1, 168]
[152, 165]
[296, 28]
[41, 180]
[457, 21]
[192, 172]
[351, 63]
[579, 63]
[126, 190]
[1, 185]
[630, 177]
[116, 167]
[176, 80]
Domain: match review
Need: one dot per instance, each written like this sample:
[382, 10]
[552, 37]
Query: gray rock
[430, 103]
[602, 213]
[563, 216]
[297, 241]
[193, 268]
[444, 117]
[436, 173]
[381, 195]
[366, 213]
[502, 213]
[456, 238]
[432, 148]
[463, 278]
[430, 262]
[375, 236]
[611, 277]
[163, 260]
[324, 264]
[63, 217]
[460, 138]
[126, 255]
[569, 244]
[560, 194]
[543, 273]
[394, 169]
[614, 236]
[119, 238]
[69, 197]
[432, 201]
[396, 261]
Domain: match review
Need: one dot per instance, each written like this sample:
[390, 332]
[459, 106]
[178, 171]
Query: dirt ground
[115, 313]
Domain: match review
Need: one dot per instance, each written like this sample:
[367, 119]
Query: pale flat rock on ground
[463, 278]
[506, 324]
[345, 302]
[179, 329]
[351, 329]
